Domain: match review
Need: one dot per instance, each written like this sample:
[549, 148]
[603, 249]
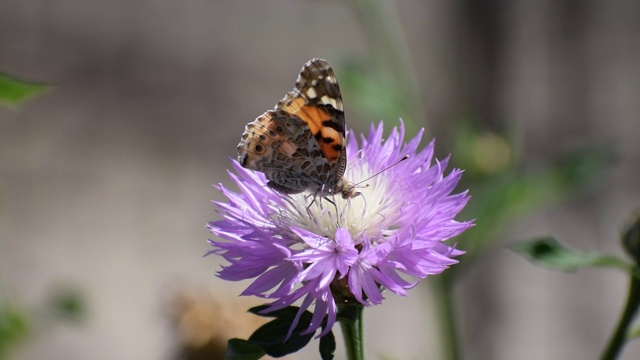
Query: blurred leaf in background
[66, 304]
[15, 327]
[549, 253]
[63, 305]
[14, 91]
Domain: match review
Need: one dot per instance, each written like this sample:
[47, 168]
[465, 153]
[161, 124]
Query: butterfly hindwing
[283, 148]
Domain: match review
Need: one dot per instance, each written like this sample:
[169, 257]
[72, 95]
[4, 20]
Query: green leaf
[548, 252]
[238, 349]
[327, 346]
[271, 336]
[288, 312]
[14, 91]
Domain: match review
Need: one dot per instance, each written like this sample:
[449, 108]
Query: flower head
[333, 251]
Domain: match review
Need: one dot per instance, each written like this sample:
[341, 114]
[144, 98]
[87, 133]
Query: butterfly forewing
[300, 144]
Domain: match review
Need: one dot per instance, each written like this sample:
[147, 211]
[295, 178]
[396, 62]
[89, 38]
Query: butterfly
[300, 145]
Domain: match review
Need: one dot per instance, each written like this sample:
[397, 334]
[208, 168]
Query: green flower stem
[446, 316]
[620, 335]
[350, 318]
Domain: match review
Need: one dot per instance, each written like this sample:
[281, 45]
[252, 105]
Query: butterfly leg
[313, 200]
[335, 206]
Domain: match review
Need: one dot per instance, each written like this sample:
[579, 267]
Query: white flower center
[372, 213]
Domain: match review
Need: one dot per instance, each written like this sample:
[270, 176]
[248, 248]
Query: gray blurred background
[105, 181]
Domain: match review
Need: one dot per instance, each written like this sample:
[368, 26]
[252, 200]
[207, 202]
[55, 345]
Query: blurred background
[105, 179]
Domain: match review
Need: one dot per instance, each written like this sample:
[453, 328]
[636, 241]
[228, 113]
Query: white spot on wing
[311, 93]
[330, 101]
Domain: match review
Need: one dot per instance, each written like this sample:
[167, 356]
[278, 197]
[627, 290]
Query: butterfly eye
[259, 149]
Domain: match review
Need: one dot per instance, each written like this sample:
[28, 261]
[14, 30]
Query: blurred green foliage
[66, 304]
[368, 87]
[19, 324]
[383, 85]
[14, 91]
[549, 253]
[504, 188]
[15, 327]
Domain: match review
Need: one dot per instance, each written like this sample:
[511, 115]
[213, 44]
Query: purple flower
[338, 252]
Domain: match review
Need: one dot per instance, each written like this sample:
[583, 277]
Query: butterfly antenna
[381, 171]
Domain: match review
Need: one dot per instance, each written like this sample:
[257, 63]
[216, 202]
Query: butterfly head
[347, 189]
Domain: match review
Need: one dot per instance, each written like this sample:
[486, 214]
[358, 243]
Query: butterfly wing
[283, 148]
[300, 144]
[316, 99]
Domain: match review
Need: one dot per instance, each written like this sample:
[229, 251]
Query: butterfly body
[300, 145]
